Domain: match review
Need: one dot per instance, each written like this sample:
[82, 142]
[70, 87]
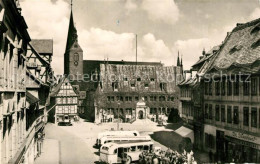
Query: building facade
[21, 110]
[106, 99]
[65, 99]
[228, 122]
[231, 97]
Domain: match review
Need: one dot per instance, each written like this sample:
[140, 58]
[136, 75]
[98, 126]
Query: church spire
[72, 32]
[178, 60]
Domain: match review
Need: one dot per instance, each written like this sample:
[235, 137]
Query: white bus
[123, 151]
[108, 139]
[116, 133]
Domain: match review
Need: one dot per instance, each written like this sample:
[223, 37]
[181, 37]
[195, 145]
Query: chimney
[203, 52]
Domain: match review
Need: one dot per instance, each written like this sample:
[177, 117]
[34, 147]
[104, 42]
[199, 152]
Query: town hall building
[124, 90]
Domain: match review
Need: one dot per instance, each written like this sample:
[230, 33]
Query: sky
[107, 28]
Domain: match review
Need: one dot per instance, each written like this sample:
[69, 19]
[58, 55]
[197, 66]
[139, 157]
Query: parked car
[64, 124]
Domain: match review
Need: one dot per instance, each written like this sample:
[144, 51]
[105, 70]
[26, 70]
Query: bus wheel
[128, 160]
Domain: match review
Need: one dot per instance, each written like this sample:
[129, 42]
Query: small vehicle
[64, 124]
[116, 133]
[126, 152]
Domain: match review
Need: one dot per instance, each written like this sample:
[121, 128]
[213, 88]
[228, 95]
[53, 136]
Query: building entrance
[141, 114]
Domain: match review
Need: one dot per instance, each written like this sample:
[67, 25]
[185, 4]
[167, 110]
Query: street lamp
[118, 103]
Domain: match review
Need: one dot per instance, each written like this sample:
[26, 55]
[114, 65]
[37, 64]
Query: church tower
[73, 57]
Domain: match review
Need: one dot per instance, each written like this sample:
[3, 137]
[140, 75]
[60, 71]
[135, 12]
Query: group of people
[166, 157]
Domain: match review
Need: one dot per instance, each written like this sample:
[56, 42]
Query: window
[163, 86]
[217, 113]
[112, 98]
[206, 88]
[132, 84]
[254, 86]
[236, 86]
[146, 147]
[246, 116]
[108, 98]
[223, 113]
[76, 57]
[128, 98]
[246, 88]
[229, 114]
[145, 98]
[235, 115]
[217, 88]
[172, 98]
[133, 148]
[151, 110]
[162, 98]
[140, 147]
[125, 79]
[138, 79]
[210, 88]
[210, 111]
[119, 98]
[146, 85]
[229, 87]
[152, 79]
[254, 117]
[206, 111]
[115, 86]
[223, 88]
[136, 98]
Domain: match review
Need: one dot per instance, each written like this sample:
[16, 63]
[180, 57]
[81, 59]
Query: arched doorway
[141, 114]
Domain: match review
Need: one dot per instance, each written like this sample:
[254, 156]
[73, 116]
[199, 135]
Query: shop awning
[186, 132]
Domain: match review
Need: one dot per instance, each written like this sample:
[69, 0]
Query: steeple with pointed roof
[73, 57]
[178, 60]
[72, 33]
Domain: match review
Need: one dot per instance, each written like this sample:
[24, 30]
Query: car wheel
[128, 160]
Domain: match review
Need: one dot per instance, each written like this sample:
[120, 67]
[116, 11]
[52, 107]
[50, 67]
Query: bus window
[140, 147]
[115, 151]
[133, 148]
[126, 150]
[146, 147]
[151, 147]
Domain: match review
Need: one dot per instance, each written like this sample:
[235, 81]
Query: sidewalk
[50, 153]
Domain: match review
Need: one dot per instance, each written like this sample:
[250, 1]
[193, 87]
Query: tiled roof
[207, 56]
[43, 45]
[240, 48]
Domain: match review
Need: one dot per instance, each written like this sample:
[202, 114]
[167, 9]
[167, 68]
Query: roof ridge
[241, 26]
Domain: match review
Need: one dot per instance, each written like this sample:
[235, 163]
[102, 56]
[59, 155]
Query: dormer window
[115, 86]
[146, 85]
[256, 44]
[163, 86]
[255, 29]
